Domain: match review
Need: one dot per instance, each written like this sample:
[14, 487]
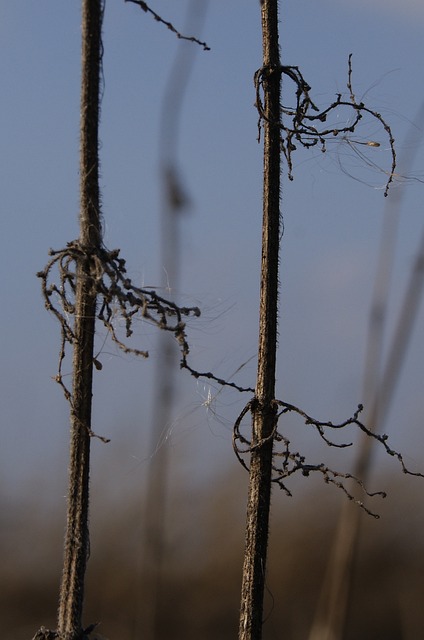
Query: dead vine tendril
[304, 123]
[291, 462]
[116, 296]
[145, 7]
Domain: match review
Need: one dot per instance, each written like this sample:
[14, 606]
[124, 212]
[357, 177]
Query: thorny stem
[263, 409]
[77, 536]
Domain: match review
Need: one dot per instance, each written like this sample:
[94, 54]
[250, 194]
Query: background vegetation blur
[204, 547]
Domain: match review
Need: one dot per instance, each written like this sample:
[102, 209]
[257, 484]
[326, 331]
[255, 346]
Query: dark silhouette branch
[145, 7]
[306, 124]
[287, 461]
[263, 410]
[117, 298]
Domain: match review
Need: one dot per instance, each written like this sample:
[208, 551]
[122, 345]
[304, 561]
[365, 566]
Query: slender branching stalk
[81, 335]
[264, 409]
[286, 127]
[77, 536]
[92, 285]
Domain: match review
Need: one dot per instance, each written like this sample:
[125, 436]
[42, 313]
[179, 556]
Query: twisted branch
[116, 296]
[291, 461]
[145, 7]
[306, 121]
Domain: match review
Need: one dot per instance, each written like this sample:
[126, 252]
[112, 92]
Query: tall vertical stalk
[379, 386]
[77, 537]
[264, 408]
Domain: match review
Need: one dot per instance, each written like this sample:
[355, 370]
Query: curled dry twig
[306, 124]
[145, 7]
[117, 297]
[210, 376]
[290, 462]
[115, 293]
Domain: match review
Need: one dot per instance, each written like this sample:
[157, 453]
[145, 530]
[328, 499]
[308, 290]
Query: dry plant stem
[77, 537]
[263, 408]
[332, 610]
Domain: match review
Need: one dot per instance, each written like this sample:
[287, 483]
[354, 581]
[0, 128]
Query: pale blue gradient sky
[332, 222]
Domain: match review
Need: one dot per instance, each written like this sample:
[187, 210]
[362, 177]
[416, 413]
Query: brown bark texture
[264, 408]
[77, 535]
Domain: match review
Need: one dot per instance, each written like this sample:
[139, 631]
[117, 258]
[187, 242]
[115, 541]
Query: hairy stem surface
[77, 537]
[264, 408]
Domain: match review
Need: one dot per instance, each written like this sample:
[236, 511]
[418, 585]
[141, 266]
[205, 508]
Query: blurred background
[334, 213]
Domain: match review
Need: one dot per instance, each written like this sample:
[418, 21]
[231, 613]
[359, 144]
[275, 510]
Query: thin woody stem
[263, 409]
[77, 536]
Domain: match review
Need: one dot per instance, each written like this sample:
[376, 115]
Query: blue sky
[332, 222]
